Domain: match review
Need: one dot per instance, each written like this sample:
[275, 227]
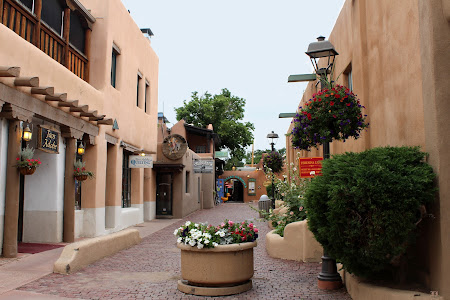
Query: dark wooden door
[164, 194]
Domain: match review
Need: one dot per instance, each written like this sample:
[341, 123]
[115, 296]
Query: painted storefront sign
[137, 161]
[48, 139]
[310, 167]
[203, 166]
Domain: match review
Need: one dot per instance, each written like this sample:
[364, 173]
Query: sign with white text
[48, 139]
[203, 166]
[137, 161]
[310, 167]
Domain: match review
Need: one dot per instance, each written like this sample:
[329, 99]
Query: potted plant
[273, 161]
[332, 113]
[216, 260]
[25, 162]
[80, 171]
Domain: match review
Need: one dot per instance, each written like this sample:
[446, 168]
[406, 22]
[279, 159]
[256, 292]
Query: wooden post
[69, 193]
[1, 11]
[37, 30]
[87, 52]
[66, 33]
[10, 228]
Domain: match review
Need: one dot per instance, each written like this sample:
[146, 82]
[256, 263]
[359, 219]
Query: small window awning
[167, 167]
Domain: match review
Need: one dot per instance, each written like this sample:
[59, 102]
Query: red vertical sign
[310, 167]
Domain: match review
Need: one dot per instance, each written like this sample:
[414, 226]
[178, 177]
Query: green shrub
[365, 207]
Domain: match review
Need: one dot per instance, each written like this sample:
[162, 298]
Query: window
[139, 77]
[28, 4]
[78, 187]
[126, 180]
[348, 77]
[187, 181]
[350, 81]
[200, 149]
[77, 32]
[147, 91]
[52, 14]
[115, 54]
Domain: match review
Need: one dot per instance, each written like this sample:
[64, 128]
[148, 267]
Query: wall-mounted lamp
[142, 154]
[27, 134]
[80, 148]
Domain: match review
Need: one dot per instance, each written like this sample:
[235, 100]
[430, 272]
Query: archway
[234, 189]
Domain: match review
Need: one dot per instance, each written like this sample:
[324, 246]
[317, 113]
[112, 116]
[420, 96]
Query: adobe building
[76, 72]
[184, 169]
[395, 56]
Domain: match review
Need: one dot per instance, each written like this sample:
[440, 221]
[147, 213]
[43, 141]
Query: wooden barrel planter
[81, 177]
[27, 170]
[220, 271]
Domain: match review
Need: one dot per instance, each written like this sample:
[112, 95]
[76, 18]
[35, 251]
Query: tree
[225, 112]
[257, 155]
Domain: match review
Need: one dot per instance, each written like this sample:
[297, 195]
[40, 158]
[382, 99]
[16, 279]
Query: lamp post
[329, 278]
[272, 137]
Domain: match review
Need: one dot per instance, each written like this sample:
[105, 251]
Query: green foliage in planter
[365, 207]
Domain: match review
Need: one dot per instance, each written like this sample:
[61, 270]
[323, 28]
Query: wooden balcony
[29, 26]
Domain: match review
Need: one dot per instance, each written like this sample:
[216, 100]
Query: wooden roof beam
[105, 122]
[44, 90]
[88, 114]
[97, 118]
[57, 97]
[9, 71]
[27, 81]
[83, 108]
[73, 103]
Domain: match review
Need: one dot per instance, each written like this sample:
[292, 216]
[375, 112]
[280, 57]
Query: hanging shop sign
[137, 161]
[310, 167]
[174, 146]
[203, 166]
[48, 139]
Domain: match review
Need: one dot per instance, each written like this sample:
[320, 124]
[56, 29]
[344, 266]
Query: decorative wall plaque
[174, 146]
[48, 139]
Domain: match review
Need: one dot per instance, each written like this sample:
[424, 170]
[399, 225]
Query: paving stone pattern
[150, 270]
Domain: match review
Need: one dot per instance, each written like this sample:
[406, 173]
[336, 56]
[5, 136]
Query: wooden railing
[29, 27]
[77, 63]
[18, 20]
[52, 44]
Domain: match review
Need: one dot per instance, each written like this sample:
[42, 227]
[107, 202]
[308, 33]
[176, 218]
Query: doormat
[33, 248]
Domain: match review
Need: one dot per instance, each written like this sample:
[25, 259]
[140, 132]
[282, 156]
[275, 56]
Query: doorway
[164, 194]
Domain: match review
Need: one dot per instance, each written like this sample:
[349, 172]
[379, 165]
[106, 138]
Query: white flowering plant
[290, 189]
[203, 235]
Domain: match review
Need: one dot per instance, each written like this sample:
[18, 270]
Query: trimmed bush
[365, 207]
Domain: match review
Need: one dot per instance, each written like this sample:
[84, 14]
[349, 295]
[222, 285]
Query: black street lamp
[272, 138]
[329, 278]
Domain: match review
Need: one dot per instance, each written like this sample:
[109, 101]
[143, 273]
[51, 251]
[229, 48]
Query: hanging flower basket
[273, 161]
[81, 177]
[27, 170]
[80, 171]
[25, 162]
[332, 114]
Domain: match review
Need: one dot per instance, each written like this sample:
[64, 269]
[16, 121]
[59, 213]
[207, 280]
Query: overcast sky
[247, 46]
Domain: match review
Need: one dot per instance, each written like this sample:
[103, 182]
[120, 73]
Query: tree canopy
[225, 112]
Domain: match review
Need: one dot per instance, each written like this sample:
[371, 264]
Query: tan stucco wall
[298, 243]
[398, 51]
[136, 127]
[435, 42]
[260, 177]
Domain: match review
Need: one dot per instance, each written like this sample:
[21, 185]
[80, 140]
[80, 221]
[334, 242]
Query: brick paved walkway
[150, 270]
